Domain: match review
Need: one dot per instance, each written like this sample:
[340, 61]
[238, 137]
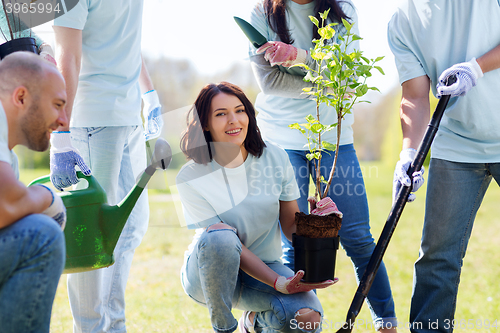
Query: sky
[205, 33]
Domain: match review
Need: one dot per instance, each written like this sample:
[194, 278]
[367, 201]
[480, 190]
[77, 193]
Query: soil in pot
[314, 226]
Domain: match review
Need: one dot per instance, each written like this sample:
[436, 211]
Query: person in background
[287, 27]
[432, 41]
[234, 258]
[102, 64]
[32, 247]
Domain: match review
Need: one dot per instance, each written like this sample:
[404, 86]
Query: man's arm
[17, 200]
[144, 79]
[68, 56]
[414, 110]
[490, 60]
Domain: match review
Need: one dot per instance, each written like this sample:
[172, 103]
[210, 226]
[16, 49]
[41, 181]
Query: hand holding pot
[293, 284]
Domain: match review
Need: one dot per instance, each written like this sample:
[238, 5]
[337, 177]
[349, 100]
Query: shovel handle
[396, 211]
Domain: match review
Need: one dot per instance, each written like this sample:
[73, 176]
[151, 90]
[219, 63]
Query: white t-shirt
[276, 112]
[429, 36]
[246, 197]
[6, 155]
[108, 88]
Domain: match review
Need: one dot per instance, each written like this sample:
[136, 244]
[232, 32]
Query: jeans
[211, 276]
[116, 155]
[347, 190]
[31, 261]
[454, 193]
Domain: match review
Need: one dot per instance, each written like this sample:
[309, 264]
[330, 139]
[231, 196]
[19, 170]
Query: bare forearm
[490, 61]
[68, 56]
[415, 111]
[144, 79]
[22, 201]
[256, 268]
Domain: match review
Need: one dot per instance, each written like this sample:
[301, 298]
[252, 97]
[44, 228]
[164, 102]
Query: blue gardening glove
[153, 121]
[63, 159]
[56, 210]
[400, 174]
[467, 75]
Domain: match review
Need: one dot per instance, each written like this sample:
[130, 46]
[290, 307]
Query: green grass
[156, 302]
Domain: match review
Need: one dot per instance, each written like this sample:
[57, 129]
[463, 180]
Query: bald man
[32, 248]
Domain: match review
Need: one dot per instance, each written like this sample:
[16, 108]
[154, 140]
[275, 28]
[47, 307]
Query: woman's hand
[293, 285]
[279, 53]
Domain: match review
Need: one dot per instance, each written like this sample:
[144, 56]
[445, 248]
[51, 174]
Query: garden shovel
[397, 208]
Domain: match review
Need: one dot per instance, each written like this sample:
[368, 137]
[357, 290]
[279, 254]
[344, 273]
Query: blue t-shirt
[246, 197]
[276, 112]
[6, 155]
[108, 89]
[429, 36]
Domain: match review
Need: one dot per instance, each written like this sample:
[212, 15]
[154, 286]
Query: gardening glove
[153, 121]
[45, 51]
[401, 177]
[293, 285]
[56, 210]
[63, 158]
[279, 53]
[467, 74]
[326, 206]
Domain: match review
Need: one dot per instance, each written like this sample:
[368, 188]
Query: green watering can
[93, 226]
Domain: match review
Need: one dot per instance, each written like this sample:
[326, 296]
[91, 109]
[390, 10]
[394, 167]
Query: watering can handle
[46, 179]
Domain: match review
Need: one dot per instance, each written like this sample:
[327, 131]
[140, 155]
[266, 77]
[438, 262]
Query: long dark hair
[195, 141]
[276, 16]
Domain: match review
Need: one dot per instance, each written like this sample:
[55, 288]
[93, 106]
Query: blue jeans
[454, 193]
[211, 276]
[116, 155]
[31, 261]
[348, 192]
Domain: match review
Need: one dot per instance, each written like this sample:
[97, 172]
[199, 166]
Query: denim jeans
[211, 276]
[454, 193]
[347, 190]
[31, 261]
[116, 155]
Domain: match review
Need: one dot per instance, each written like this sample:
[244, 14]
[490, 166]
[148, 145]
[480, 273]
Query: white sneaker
[244, 324]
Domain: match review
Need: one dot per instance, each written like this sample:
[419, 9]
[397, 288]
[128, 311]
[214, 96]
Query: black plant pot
[19, 44]
[316, 257]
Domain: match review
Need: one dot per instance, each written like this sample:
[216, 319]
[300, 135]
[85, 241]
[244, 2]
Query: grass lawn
[157, 303]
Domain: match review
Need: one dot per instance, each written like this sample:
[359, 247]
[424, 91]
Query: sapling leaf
[379, 69]
[379, 58]
[314, 20]
[310, 118]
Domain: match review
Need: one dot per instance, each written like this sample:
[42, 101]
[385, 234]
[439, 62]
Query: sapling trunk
[332, 172]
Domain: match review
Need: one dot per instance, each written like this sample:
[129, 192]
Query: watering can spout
[114, 217]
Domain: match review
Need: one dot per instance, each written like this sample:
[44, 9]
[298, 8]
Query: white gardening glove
[400, 174]
[63, 159]
[467, 74]
[153, 121]
[56, 210]
[293, 285]
[279, 53]
[47, 53]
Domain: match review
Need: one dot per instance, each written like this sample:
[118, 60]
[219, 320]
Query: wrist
[478, 71]
[60, 139]
[51, 200]
[301, 56]
[408, 154]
